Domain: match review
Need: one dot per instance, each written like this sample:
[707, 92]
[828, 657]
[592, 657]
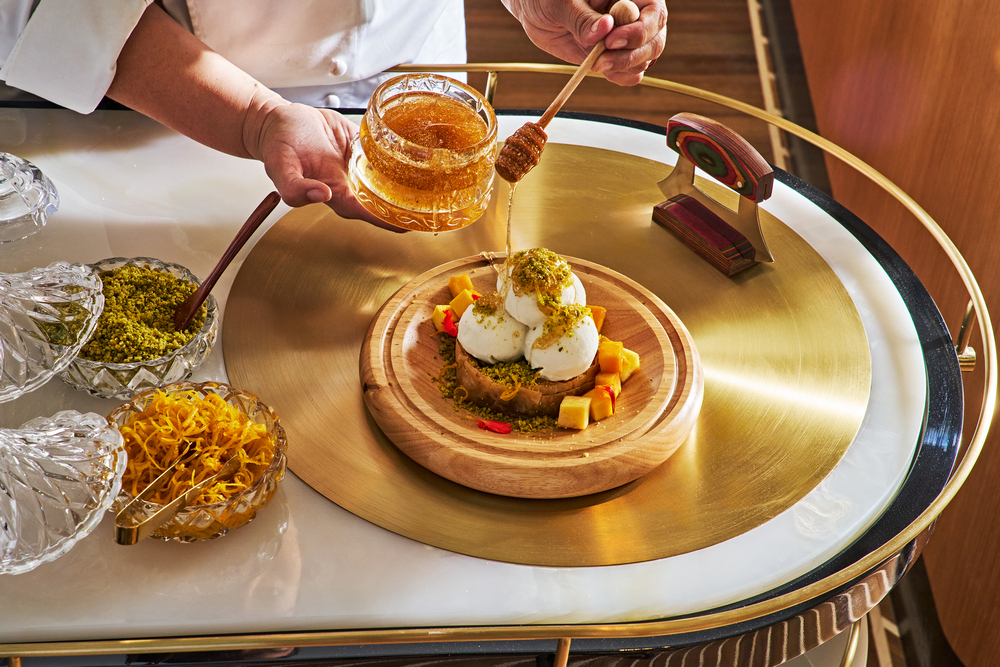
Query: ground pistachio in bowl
[135, 346]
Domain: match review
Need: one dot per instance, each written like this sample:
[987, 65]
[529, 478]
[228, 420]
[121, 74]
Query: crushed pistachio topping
[137, 323]
[487, 305]
[539, 270]
[561, 322]
[510, 373]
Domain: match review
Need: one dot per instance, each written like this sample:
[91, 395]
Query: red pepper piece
[448, 325]
[496, 427]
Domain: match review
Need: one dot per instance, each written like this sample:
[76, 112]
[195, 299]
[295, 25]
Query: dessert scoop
[522, 150]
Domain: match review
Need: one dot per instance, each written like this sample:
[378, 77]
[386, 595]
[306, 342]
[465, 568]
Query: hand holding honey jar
[423, 159]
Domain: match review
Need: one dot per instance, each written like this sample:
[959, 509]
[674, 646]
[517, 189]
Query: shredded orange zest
[461, 399]
[173, 426]
[511, 391]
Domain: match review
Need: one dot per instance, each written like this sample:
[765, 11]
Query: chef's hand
[569, 29]
[305, 153]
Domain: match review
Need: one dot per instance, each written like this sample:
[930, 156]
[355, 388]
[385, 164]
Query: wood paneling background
[709, 45]
[913, 88]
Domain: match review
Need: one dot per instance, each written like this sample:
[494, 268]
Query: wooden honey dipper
[522, 150]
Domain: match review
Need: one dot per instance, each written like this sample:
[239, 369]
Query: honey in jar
[424, 156]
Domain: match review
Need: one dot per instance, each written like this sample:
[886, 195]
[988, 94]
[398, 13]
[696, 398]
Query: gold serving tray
[786, 367]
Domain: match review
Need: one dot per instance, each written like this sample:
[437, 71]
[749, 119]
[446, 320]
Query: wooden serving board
[655, 413]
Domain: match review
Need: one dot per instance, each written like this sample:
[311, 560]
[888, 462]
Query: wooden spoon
[185, 312]
[522, 150]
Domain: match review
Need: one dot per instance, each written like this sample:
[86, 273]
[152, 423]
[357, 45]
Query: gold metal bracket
[966, 354]
[492, 78]
[852, 644]
[562, 653]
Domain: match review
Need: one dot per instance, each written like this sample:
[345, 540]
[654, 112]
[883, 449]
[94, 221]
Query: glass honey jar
[424, 157]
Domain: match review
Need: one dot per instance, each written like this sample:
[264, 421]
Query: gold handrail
[650, 628]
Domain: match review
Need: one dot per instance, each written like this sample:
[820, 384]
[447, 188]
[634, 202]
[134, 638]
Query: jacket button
[338, 67]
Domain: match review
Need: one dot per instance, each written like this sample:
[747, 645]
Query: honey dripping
[510, 209]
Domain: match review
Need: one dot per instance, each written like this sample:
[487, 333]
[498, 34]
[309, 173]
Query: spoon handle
[185, 312]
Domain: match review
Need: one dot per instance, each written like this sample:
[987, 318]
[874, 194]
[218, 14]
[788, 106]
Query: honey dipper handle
[623, 11]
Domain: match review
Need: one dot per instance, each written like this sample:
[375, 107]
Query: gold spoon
[184, 313]
[522, 150]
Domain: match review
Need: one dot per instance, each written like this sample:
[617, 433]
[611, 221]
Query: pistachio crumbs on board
[137, 323]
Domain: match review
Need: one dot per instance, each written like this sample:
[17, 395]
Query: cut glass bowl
[27, 198]
[122, 381]
[46, 316]
[58, 476]
[202, 522]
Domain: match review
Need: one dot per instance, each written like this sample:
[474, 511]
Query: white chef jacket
[320, 52]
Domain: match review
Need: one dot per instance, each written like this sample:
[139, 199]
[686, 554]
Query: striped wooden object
[722, 154]
[731, 241]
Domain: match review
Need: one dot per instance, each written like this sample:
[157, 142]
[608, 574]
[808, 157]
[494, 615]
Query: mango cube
[458, 283]
[630, 363]
[609, 356]
[574, 412]
[612, 380]
[601, 403]
[598, 313]
[437, 317]
[462, 301]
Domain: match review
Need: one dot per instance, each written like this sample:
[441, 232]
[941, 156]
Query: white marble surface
[131, 188]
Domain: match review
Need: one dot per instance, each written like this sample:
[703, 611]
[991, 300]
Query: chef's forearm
[168, 74]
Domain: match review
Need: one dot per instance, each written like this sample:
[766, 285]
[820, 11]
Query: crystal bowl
[59, 476]
[46, 316]
[124, 380]
[202, 522]
[27, 198]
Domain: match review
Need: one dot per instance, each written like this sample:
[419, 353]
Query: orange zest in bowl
[209, 429]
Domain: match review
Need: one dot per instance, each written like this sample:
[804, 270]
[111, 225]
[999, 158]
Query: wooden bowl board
[656, 411]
